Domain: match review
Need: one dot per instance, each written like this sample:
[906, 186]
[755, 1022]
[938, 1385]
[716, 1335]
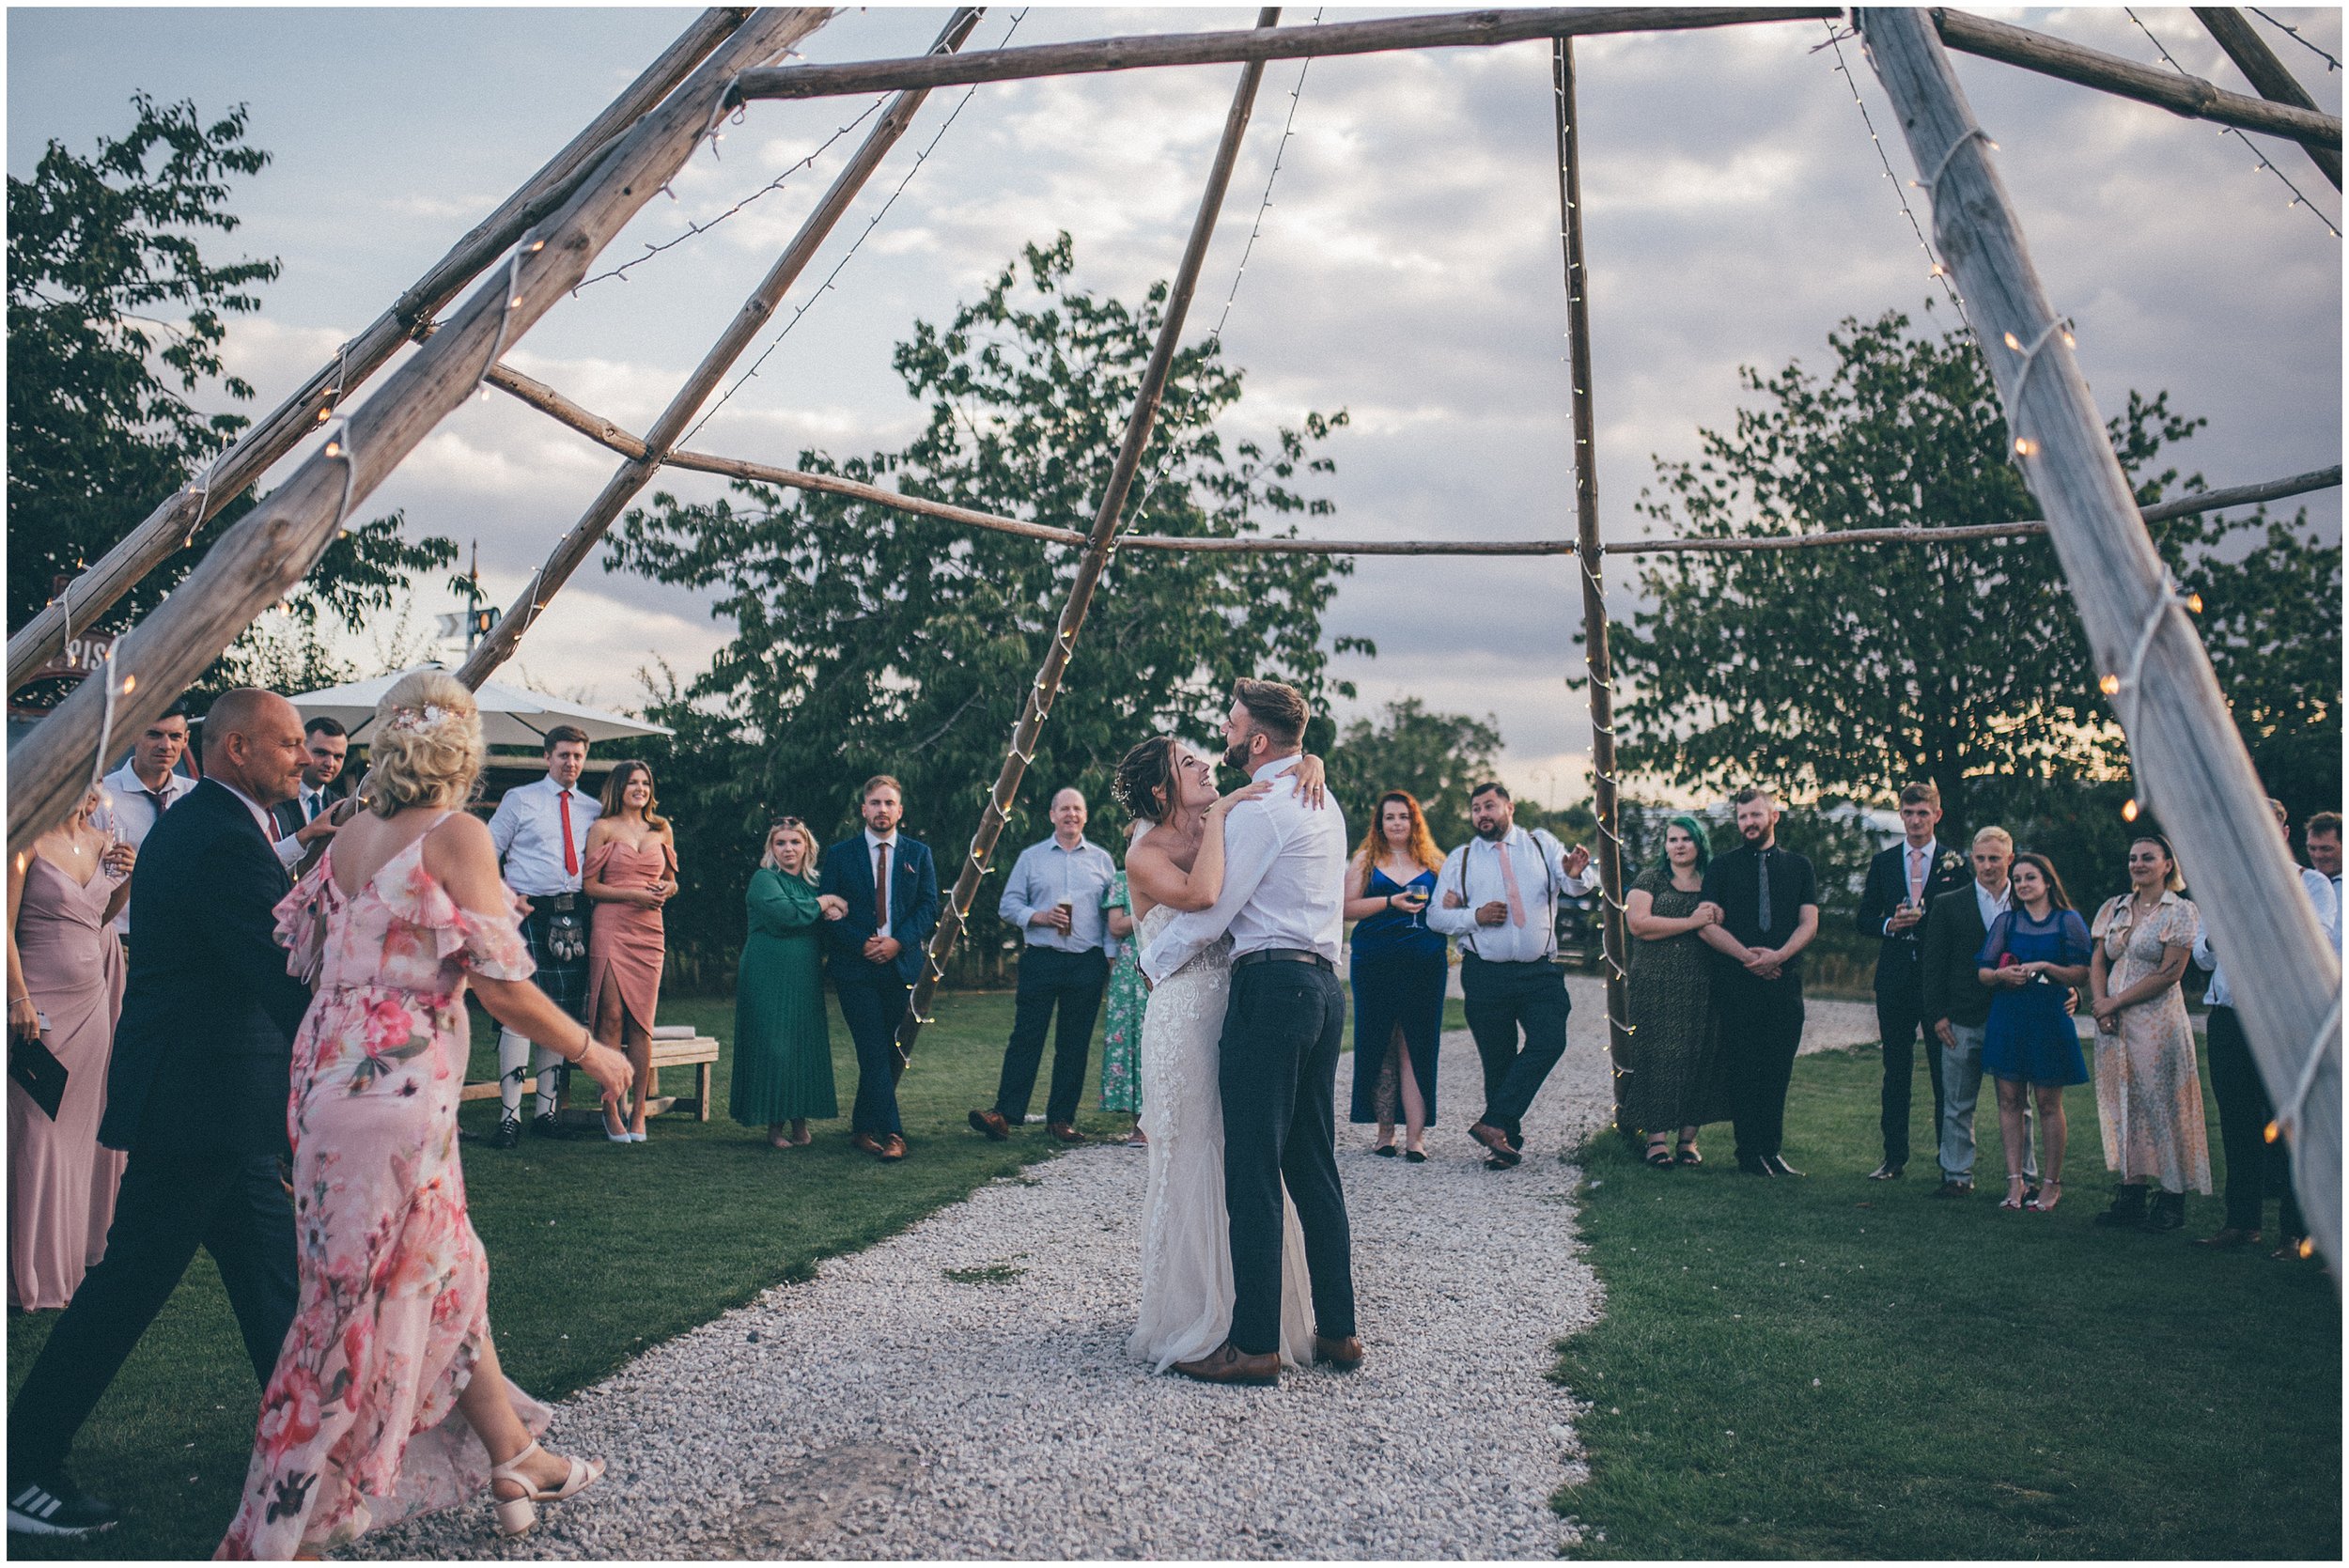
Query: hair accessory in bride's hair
[431, 716]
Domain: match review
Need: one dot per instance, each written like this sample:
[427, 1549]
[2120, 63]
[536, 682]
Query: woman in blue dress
[2036, 950]
[1398, 967]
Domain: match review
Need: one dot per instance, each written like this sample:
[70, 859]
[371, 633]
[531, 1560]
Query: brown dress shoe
[1345, 1353]
[1224, 1364]
[865, 1141]
[991, 1123]
[1066, 1132]
[892, 1147]
[1496, 1140]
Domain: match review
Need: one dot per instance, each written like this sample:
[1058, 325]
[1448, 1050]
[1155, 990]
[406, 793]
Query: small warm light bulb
[325, 414]
[2128, 810]
[2013, 341]
[2272, 1132]
[538, 245]
[2194, 603]
[333, 448]
[2025, 447]
[2109, 684]
[2071, 342]
[516, 301]
[2308, 1246]
[130, 684]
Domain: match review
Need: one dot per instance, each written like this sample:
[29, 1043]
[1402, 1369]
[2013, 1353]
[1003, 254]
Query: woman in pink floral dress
[392, 1333]
[2149, 1093]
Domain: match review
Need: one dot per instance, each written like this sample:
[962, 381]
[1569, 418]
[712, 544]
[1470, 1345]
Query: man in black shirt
[1770, 911]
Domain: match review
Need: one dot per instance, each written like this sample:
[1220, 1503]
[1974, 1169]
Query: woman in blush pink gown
[630, 872]
[65, 967]
[391, 1334]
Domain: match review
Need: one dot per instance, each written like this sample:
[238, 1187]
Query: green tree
[1438, 757]
[103, 390]
[870, 640]
[1847, 670]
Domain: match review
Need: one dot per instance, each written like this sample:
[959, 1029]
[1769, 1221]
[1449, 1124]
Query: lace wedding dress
[1186, 1239]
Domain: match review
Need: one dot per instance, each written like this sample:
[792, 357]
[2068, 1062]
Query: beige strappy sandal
[515, 1516]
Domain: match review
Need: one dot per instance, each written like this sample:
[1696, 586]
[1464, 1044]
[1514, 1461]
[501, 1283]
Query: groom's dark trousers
[1282, 1030]
[196, 1091]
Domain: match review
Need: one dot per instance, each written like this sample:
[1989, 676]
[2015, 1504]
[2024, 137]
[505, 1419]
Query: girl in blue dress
[2036, 950]
[1397, 968]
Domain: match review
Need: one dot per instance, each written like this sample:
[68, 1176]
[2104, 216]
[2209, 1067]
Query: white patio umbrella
[510, 714]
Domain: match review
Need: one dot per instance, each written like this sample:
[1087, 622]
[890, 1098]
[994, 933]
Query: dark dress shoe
[1066, 1132]
[1778, 1166]
[1953, 1190]
[1754, 1165]
[1496, 1140]
[991, 1123]
[892, 1147]
[548, 1125]
[869, 1144]
[1417, 1157]
[2167, 1214]
[52, 1505]
[510, 1133]
[2229, 1238]
[1386, 1151]
[1888, 1171]
[1344, 1353]
[1224, 1364]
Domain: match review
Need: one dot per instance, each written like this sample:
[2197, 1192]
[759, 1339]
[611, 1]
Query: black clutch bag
[35, 1066]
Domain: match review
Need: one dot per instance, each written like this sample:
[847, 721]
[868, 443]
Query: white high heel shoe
[515, 1516]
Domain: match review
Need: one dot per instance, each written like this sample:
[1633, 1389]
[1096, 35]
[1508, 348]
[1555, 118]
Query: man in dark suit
[1769, 902]
[1903, 882]
[325, 746]
[877, 948]
[1956, 1009]
[196, 1093]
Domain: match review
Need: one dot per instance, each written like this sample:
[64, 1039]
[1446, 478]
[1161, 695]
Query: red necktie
[570, 855]
[881, 888]
[269, 826]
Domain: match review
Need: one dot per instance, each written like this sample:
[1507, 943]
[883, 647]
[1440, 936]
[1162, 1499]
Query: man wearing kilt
[540, 830]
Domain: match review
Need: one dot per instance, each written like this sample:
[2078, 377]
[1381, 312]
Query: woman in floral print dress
[1121, 1030]
[391, 1335]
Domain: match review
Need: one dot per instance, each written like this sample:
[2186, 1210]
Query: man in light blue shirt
[1054, 895]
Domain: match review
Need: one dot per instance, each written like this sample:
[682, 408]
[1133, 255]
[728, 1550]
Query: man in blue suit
[891, 888]
[196, 1093]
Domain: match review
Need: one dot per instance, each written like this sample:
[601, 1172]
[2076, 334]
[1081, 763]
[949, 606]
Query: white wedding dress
[1186, 1238]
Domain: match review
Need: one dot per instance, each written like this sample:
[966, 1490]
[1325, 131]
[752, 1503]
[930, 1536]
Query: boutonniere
[1949, 860]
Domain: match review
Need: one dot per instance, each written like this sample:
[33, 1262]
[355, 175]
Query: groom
[1284, 869]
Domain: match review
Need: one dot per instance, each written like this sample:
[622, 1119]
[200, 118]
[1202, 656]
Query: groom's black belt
[1284, 956]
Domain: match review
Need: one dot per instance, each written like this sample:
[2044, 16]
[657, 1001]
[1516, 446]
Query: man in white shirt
[1956, 1006]
[1282, 902]
[540, 832]
[325, 745]
[1499, 897]
[2323, 837]
[141, 790]
[2239, 1095]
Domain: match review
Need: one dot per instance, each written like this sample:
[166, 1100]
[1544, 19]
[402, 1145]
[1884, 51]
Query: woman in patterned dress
[1121, 1035]
[391, 1334]
[2149, 1097]
[1670, 1080]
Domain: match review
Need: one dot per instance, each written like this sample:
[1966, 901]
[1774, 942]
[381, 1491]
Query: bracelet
[1389, 901]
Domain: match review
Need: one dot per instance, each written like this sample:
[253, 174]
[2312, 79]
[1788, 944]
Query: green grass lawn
[1840, 1368]
[596, 1251]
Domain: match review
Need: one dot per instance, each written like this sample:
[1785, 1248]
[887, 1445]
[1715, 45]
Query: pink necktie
[1509, 880]
[1916, 876]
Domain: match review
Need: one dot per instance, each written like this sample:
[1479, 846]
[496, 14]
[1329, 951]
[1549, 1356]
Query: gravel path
[962, 1389]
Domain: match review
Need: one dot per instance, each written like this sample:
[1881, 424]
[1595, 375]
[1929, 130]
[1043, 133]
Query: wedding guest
[1398, 969]
[1959, 1005]
[1903, 882]
[1669, 1059]
[197, 1092]
[890, 885]
[781, 1037]
[1054, 898]
[1769, 904]
[1501, 900]
[2254, 1165]
[630, 872]
[2322, 837]
[541, 832]
[2149, 1098]
[392, 1337]
[64, 991]
[2036, 952]
[1126, 1000]
[141, 790]
[325, 745]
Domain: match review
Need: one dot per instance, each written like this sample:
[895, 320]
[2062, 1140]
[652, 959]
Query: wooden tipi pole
[1599, 673]
[273, 547]
[2260, 67]
[168, 529]
[632, 475]
[2190, 764]
[1100, 543]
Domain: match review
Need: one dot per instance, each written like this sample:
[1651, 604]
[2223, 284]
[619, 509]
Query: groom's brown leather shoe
[1346, 1353]
[1066, 1132]
[1496, 1140]
[1224, 1364]
[991, 1123]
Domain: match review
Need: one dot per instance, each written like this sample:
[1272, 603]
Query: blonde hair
[1996, 835]
[425, 749]
[809, 871]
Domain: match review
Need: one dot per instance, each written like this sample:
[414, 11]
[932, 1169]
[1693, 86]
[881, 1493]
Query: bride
[1174, 862]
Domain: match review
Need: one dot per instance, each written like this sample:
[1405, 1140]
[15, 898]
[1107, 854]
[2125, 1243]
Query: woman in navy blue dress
[2036, 950]
[1398, 967]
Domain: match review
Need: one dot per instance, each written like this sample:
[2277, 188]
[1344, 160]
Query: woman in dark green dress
[1670, 999]
[781, 1040]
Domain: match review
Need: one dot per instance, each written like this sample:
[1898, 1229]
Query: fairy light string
[2299, 198]
[1935, 269]
[2298, 38]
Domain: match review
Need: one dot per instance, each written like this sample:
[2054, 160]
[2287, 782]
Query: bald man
[195, 1094]
[1054, 896]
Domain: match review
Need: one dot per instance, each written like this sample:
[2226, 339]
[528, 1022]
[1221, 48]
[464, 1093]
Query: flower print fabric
[358, 1424]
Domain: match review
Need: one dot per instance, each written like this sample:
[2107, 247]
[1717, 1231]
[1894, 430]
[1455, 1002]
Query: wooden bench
[682, 1048]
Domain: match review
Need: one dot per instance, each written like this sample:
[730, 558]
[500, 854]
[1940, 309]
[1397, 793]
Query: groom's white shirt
[1284, 881]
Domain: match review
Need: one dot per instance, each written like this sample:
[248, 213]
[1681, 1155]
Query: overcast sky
[1409, 270]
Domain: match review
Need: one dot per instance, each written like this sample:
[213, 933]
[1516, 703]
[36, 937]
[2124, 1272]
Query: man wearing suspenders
[1499, 897]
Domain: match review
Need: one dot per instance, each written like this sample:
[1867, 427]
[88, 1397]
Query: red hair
[1420, 845]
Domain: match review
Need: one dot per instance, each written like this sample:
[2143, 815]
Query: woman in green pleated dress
[781, 1040]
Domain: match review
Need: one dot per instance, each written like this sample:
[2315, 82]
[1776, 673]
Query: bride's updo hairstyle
[1145, 781]
[426, 749]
